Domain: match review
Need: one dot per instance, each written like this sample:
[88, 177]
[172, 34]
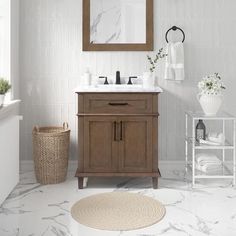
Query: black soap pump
[200, 132]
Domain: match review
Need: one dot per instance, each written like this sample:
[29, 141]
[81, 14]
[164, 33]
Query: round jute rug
[118, 211]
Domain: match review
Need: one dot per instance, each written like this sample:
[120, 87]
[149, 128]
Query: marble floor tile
[44, 210]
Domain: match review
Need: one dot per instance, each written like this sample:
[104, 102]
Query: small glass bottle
[200, 131]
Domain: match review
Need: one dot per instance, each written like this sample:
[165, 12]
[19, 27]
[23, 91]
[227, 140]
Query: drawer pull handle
[118, 104]
[121, 131]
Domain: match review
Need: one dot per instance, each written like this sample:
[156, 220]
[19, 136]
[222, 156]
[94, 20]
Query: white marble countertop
[117, 89]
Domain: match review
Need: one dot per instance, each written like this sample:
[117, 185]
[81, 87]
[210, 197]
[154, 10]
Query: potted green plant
[148, 77]
[4, 88]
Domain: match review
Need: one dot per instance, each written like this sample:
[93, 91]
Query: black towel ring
[175, 28]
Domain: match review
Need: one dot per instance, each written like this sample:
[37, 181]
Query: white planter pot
[2, 97]
[148, 80]
[210, 103]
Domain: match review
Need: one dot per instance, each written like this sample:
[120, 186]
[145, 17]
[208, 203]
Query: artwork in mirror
[117, 21]
[117, 25]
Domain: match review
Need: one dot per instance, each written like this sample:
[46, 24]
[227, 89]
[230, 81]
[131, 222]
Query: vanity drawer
[118, 103]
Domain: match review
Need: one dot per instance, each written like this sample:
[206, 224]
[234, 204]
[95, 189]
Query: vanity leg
[80, 182]
[155, 182]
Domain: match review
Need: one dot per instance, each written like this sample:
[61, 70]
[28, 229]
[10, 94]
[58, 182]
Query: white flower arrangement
[211, 85]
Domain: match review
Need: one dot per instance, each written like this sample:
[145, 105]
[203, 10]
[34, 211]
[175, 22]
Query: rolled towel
[208, 167]
[208, 142]
[216, 137]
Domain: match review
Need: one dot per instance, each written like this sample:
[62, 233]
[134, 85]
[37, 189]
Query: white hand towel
[218, 138]
[174, 67]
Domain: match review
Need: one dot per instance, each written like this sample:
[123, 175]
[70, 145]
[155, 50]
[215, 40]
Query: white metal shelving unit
[191, 119]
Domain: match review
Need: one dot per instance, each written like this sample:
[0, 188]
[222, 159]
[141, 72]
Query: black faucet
[130, 79]
[118, 77]
[104, 77]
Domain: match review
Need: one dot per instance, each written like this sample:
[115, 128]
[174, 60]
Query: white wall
[51, 62]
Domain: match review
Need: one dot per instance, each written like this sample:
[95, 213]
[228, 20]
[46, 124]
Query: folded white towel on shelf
[174, 66]
[207, 158]
[208, 162]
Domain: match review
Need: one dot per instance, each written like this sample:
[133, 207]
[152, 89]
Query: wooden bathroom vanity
[118, 134]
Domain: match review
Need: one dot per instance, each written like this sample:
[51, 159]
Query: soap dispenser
[86, 77]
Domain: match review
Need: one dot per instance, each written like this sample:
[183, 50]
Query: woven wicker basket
[51, 153]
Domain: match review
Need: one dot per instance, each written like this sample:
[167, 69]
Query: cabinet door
[100, 147]
[135, 146]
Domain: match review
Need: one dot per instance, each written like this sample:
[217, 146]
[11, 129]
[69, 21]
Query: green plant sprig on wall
[4, 86]
[153, 62]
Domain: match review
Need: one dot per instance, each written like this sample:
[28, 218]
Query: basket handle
[36, 128]
[65, 126]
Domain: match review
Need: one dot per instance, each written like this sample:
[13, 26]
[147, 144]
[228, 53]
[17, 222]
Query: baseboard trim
[28, 165]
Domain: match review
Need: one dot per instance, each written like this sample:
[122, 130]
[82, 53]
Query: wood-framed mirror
[117, 25]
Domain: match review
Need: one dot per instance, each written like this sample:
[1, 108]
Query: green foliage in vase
[4, 86]
[153, 61]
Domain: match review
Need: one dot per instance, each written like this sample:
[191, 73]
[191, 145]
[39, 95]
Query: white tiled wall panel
[52, 61]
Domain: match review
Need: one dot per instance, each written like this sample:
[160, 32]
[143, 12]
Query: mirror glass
[117, 21]
[117, 25]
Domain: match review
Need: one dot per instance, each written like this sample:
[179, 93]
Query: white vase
[210, 103]
[2, 97]
[148, 80]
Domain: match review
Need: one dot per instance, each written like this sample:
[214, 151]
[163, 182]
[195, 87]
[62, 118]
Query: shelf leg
[224, 135]
[193, 153]
[186, 144]
[223, 151]
[234, 164]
